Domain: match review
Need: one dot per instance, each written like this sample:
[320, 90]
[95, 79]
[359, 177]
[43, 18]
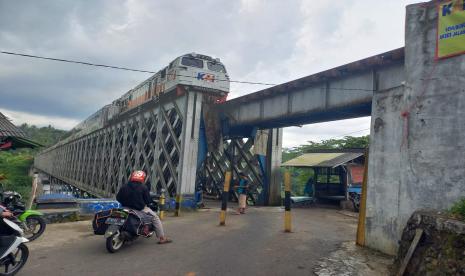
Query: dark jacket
[134, 195]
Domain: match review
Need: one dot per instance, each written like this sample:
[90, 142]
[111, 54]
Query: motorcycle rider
[5, 213]
[135, 195]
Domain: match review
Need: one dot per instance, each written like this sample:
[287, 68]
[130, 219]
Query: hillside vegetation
[15, 164]
[46, 136]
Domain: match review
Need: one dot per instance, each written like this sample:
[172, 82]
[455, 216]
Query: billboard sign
[451, 29]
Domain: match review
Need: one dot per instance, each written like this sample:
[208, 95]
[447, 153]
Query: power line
[343, 135]
[118, 67]
[77, 62]
[331, 138]
[152, 72]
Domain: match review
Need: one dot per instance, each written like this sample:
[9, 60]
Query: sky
[271, 41]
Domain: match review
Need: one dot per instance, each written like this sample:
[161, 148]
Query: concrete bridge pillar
[190, 141]
[273, 166]
[417, 136]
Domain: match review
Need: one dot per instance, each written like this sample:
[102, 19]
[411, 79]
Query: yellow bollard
[162, 206]
[287, 202]
[363, 204]
[177, 211]
[225, 197]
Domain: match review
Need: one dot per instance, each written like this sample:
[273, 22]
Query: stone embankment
[441, 249]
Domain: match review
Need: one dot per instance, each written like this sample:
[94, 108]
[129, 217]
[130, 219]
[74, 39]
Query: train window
[216, 67]
[192, 62]
[163, 73]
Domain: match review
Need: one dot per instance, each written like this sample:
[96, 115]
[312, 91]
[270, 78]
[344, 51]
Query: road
[251, 244]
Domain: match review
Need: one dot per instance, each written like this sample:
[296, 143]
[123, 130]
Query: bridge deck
[339, 93]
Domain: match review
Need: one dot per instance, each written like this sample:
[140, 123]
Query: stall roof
[12, 136]
[7, 129]
[319, 159]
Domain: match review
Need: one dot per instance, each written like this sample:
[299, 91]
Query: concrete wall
[274, 155]
[421, 165]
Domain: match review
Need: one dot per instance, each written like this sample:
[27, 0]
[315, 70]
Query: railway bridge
[168, 138]
[184, 142]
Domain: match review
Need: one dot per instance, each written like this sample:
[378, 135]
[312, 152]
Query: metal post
[363, 203]
[225, 197]
[287, 202]
[177, 211]
[162, 206]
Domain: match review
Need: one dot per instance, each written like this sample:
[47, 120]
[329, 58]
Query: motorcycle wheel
[114, 243]
[35, 227]
[10, 265]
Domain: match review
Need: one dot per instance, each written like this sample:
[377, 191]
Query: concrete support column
[189, 144]
[417, 147]
[273, 166]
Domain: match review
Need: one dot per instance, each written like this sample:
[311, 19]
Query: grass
[14, 167]
[458, 209]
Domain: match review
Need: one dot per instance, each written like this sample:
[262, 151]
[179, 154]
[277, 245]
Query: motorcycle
[13, 251]
[30, 221]
[121, 225]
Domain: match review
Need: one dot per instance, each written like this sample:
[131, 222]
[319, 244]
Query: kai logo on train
[206, 77]
[451, 29]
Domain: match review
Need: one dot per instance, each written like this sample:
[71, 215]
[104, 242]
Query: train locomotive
[194, 70]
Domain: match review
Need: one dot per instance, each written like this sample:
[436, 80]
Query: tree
[301, 175]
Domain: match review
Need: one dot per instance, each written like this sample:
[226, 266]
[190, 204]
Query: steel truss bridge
[162, 137]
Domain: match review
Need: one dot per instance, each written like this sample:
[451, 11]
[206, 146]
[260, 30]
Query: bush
[15, 167]
[458, 209]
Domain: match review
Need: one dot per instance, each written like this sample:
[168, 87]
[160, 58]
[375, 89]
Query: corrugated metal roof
[330, 160]
[7, 129]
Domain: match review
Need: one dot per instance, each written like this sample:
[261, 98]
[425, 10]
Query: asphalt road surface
[250, 244]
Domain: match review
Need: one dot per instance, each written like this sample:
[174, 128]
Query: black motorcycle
[121, 225]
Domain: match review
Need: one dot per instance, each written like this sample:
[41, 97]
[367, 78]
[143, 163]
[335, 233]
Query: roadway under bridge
[416, 156]
[163, 137]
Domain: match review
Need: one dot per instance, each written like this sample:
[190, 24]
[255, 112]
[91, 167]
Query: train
[194, 70]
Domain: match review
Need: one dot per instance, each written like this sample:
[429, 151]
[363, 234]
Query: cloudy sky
[271, 41]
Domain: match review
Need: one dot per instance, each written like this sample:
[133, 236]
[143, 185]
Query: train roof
[204, 57]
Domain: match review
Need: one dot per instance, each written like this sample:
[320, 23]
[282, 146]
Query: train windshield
[218, 67]
[192, 62]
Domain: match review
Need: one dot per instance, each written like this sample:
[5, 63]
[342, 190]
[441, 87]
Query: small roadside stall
[337, 174]
[11, 137]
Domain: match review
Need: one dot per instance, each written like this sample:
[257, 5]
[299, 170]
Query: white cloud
[18, 118]
[262, 41]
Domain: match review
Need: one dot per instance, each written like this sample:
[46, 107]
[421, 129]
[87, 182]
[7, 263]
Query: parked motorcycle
[13, 251]
[30, 221]
[121, 225]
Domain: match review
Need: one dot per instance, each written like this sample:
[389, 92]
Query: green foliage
[458, 209]
[300, 176]
[15, 165]
[348, 142]
[46, 136]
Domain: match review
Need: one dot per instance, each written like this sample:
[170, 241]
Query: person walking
[242, 189]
